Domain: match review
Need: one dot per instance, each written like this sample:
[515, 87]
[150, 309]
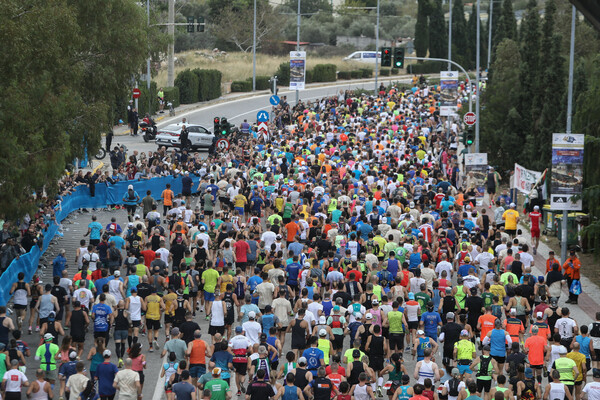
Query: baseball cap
[306, 265]
[322, 332]
[528, 373]
[464, 332]
[238, 329]
[539, 314]
[336, 308]
[420, 332]
[358, 315]
[411, 296]
[278, 237]
[512, 205]
[562, 350]
[374, 301]
[216, 371]
[322, 319]
[252, 314]
[73, 355]
[450, 315]
[536, 207]
[302, 361]
[513, 311]
[117, 273]
[202, 228]
[129, 187]
[369, 315]
[596, 372]
[553, 301]
[106, 353]
[48, 337]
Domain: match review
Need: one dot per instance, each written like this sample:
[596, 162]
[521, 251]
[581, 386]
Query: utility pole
[563, 242]
[377, 48]
[477, 78]
[254, 52]
[489, 54]
[148, 77]
[298, 47]
[450, 34]
[171, 50]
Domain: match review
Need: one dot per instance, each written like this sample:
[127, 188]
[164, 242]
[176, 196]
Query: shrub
[262, 82]
[241, 86]
[384, 72]
[344, 75]
[426, 67]
[187, 82]
[209, 83]
[367, 72]
[309, 77]
[324, 73]
[143, 100]
[172, 94]
[395, 71]
[356, 74]
[283, 74]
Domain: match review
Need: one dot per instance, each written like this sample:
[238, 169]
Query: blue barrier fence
[104, 195]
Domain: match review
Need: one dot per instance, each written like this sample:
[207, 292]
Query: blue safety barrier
[104, 195]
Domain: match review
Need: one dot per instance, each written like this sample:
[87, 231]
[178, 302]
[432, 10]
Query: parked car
[199, 136]
[364, 56]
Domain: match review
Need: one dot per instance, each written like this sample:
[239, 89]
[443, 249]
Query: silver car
[199, 136]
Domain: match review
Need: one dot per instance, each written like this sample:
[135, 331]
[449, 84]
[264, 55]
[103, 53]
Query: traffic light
[386, 57]
[200, 27]
[225, 127]
[469, 137]
[399, 57]
[190, 25]
[217, 125]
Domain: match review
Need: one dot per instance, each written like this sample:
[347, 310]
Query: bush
[172, 94]
[324, 73]
[367, 72]
[143, 100]
[384, 72]
[209, 83]
[309, 78]
[426, 67]
[262, 82]
[395, 71]
[344, 75]
[241, 86]
[356, 74]
[283, 74]
[187, 82]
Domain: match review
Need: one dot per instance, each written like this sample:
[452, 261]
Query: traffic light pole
[298, 46]
[449, 62]
[377, 50]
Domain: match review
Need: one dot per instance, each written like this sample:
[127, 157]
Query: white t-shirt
[444, 266]
[217, 316]
[239, 342]
[526, 259]
[164, 254]
[484, 259]
[14, 379]
[93, 259]
[593, 390]
[252, 330]
[314, 308]
[565, 327]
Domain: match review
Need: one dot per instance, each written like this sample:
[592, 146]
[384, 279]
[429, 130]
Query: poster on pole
[297, 70]
[448, 93]
[476, 170]
[524, 179]
[567, 171]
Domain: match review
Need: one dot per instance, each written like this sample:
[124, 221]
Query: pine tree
[507, 24]
[471, 50]
[547, 41]
[438, 31]
[459, 32]
[421, 41]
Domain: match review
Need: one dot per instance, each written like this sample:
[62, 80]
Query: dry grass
[238, 66]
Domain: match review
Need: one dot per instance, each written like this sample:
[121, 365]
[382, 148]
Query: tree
[59, 86]
[438, 31]
[309, 7]
[238, 33]
[460, 46]
[507, 25]
[471, 51]
[421, 41]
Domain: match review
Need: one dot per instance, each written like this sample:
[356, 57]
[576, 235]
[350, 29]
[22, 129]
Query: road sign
[222, 144]
[470, 118]
[262, 126]
[137, 93]
[274, 100]
[262, 116]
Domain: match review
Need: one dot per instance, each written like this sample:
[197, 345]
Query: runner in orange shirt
[167, 196]
[514, 326]
[536, 347]
[485, 323]
[291, 229]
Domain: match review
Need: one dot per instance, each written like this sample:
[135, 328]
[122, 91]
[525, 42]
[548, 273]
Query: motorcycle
[148, 131]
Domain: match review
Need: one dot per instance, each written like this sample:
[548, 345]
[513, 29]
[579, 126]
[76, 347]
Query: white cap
[129, 187]
[562, 350]
[358, 315]
[374, 301]
[322, 319]
[73, 355]
[539, 314]
[513, 311]
[106, 353]
[252, 314]
[369, 315]
[322, 332]
[420, 332]
[536, 207]
[512, 205]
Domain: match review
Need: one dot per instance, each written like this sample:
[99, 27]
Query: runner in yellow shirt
[511, 218]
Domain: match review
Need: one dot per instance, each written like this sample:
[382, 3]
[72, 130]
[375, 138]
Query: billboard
[297, 70]
[448, 93]
[567, 171]
[477, 164]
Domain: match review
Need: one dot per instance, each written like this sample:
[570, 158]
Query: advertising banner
[297, 70]
[448, 93]
[476, 163]
[524, 179]
[567, 171]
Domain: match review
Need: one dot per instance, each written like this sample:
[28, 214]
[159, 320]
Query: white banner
[448, 93]
[297, 70]
[524, 179]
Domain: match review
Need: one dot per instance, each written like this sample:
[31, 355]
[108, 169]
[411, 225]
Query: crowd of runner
[347, 238]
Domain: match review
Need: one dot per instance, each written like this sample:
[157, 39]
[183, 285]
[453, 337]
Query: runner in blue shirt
[102, 316]
[94, 231]
[314, 356]
[431, 320]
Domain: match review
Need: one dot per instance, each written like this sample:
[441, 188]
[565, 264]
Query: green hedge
[262, 82]
[426, 67]
[384, 72]
[309, 76]
[395, 71]
[143, 100]
[344, 75]
[241, 86]
[209, 83]
[172, 94]
[367, 72]
[324, 73]
[283, 74]
[187, 82]
[356, 74]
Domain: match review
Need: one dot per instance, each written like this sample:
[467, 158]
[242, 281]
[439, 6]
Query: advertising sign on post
[524, 179]
[448, 93]
[567, 171]
[297, 70]
[476, 169]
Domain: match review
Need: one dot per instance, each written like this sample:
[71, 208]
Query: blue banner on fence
[104, 196]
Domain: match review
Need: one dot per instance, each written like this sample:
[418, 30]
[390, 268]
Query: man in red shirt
[149, 255]
[242, 249]
[535, 216]
[438, 199]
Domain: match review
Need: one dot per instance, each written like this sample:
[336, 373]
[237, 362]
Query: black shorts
[511, 232]
[483, 384]
[499, 360]
[397, 341]
[142, 377]
[153, 324]
[491, 190]
[78, 339]
[596, 355]
[300, 345]
[213, 330]
[536, 366]
[169, 319]
[413, 325]
[338, 341]
[578, 383]
[193, 294]
[240, 368]
[19, 307]
[376, 362]
[136, 324]
[94, 242]
[229, 319]
[186, 192]
[130, 208]
[448, 352]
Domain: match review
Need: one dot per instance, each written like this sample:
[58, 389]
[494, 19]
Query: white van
[364, 56]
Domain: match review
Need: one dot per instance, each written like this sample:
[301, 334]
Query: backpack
[453, 387]
[595, 331]
[385, 278]
[131, 195]
[335, 323]
[529, 392]
[542, 291]
[114, 254]
[175, 281]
